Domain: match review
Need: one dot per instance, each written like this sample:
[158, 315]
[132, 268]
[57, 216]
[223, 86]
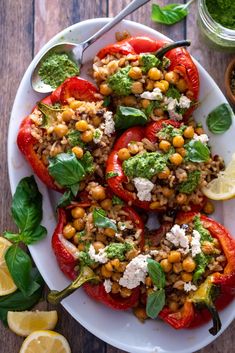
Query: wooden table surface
[25, 26]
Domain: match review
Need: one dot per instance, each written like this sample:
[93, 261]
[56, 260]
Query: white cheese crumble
[203, 138]
[135, 272]
[109, 127]
[156, 94]
[107, 285]
[97, 257]
[178, 238]
[144, 188]
[97, 135]
[189, 286]
[172, 103]
[195, 243]
[184, 102]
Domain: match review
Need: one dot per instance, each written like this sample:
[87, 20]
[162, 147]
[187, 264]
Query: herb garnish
[126, 117]
[170, 14]
[197, 152]
[220, 119]
[101, 221]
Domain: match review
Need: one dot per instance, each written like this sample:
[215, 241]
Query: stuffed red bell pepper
[105, 235]
[71, 131]
[130, 72]
[162, 166]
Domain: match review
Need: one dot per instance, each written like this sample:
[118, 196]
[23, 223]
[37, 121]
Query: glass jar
[215, 35]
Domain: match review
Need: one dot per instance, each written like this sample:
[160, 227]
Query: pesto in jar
[222, 11]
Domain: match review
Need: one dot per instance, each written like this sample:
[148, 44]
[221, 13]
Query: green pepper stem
[216, 320]
[162, 51]
[86, 275]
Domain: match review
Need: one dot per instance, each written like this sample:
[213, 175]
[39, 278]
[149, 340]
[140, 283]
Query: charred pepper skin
[75, 87]
[180, 61]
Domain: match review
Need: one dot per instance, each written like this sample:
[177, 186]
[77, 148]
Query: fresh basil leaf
[65, 199]
[74, 189]
[107, 101]
[197, 152]
[101, 221]
[220, 119]
[13, 237]
[156, 273]
[127, 117]
[20, 265]
[169, 14]
[66, 169]
[117, 201]
[189, 185]
[33, 236]
[111, 175]
[27, 205]
[155, 303]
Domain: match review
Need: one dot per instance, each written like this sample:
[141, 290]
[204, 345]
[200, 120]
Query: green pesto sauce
[148, 61]
[145, 165]
[120, 82]
[56, 68]
[117, 250]
[204, 233]
[222, 11]
[189, 185]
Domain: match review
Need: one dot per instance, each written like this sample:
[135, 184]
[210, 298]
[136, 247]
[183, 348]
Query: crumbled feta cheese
[144, 188]
[156, 94]
[178, 238]
[174, 115]
[97, 257]
[171, 103]
[107, 285]
[154, 252]
[135, 272]
[189, 286]
[109, 127]
[184, 102]
[195, 243]
[97, 135]
[203, 138]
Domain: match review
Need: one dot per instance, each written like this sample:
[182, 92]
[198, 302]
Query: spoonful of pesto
[65, 59]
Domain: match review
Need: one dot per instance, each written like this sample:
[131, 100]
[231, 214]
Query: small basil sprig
[128, 116]
[220, 119]
[197, 152]
[156, 300]
[170, 14]
[101, 221]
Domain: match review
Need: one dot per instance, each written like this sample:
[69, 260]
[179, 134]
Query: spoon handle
[134, 5]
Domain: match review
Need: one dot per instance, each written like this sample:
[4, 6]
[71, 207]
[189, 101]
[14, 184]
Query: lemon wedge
[25, 322]
[7, 285]
[223, 187]
[45, 342]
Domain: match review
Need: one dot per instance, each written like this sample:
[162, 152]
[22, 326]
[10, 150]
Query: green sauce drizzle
[222, 11]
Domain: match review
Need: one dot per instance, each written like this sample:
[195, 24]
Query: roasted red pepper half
[114, 164]
[72, 87]
[66, 254]
[189, 316]
[180, 60]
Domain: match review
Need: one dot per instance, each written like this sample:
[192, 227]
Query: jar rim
[212, 25]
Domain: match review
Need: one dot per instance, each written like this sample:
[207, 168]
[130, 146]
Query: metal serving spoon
[76, 51]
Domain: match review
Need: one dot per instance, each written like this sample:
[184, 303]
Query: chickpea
[123, 154]
[165, 145]
[145, 103]
[154, 74]
[154, 205]
[98, 193]
[162, 85]
[125, 292]
[121, 267]
[105, 89]
[96, 120]
[176, 159]
[75, 104]
[76, 239]
[148, 281]
[209, 207]
[166, 265]
[174, 256]
[87, 136]
[79, 224]
[173, 306]
[78, 212]
[158, 112]
[182, 85]
[133, 148]
[81, 125]
[67, 115]
[181, 198]
[109, 232]
[189, 132]
[172, 77]
[98, 245]
[199, 131]
[164, 174]
[108, 266]
[186, 277]
[69, 231]
[78, 151]
[129, 100]
[140, 313]
[116, 276]
[131, 254]
[135, 73]
[81, 247]
[115, 263]
[149, 85]
[167, 192]
[115, 288]
[189, 264]
[208, 247]
[178, 141]
[106, 204]
[101, 237]
[177, 267]
[105, 273]
[130, 187]
[61, 130]
[137, 87]
[181, 151]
